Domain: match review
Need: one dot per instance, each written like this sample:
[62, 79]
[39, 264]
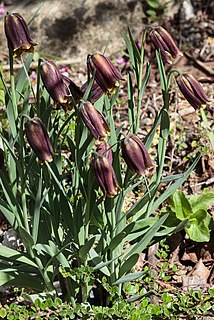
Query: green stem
[13, 88]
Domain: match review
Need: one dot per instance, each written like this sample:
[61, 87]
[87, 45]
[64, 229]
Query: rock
[75, 28]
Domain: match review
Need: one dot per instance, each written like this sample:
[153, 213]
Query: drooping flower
[104, 149]
[18, 35]
[39, 140]
[96, 91]
[54, 84]
[94, 121]
[75, 90]
[106, 74]
[192, 90]
[136, 155]
[163, 41]
[105, 175]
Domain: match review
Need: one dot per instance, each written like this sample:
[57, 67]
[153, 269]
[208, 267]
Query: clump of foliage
[73, 227]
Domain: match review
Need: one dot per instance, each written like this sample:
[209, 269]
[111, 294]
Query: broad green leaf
[129, 277]
[203, 201]
[3, 313]
[198, 227]
[154, 4]
[182, 206]
[15, 256]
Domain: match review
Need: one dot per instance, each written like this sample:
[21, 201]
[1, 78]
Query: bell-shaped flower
[96, 91]
[192, 90]
[136, 155]
[106, 74]
[54, 84]
[104, 149]
[18, 35]
[75, 90]
[163, 41]
[105, 176]
[94, 121]
[39, 140]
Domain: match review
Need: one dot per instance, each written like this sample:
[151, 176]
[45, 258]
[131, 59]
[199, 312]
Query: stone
[71, 29]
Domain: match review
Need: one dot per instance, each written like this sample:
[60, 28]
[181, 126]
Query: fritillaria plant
[68, 207]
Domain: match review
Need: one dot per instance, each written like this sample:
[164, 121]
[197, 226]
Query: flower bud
[39, 140]
[136, 155]
[104, 149]
[96, 91]
[162, 41]
[105, 175]
[17, 34]
[106, 74]
[94, 121]
[192, 90]
[54, 84]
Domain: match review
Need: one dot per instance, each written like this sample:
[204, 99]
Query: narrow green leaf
[8, 214]
[12, 202]
[175, 185]
[128, 264]
[144, 242]
[116, 241]
[131, 104]
[163, 78]
[129, 277]
[171, 178]
[145, 80]
[15, 256]
[97, 261]
[21, 279]
[84, 250]
[26, 237]
[165, 124]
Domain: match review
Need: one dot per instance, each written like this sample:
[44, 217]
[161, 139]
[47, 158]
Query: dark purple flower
[136, 155]
[17, 34]
[105, 175]
[94, 121]
[106, 74]
[162, 41]
[192, 90]
[39, 140]
[54, 84]
[96, 91]
[104, 149]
